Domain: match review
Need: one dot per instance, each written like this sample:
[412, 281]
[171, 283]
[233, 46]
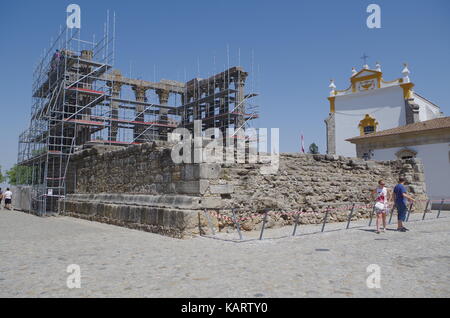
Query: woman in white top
[8, 198]
[381, 204]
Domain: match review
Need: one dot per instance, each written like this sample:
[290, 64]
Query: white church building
[371, 104]
[380, 120]
[427, 140]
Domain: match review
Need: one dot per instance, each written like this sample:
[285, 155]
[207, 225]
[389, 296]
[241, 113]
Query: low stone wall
[171, 216]
[140, 187]
[314, 183]
[138, 169]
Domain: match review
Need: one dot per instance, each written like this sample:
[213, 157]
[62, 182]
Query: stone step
[170, 201]
[166, 221]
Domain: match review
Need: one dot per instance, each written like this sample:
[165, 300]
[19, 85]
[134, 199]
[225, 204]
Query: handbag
[379, 206]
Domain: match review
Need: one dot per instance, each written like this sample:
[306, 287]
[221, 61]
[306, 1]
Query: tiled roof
[437, 123]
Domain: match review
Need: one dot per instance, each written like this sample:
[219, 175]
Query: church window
[406, 154]
[369, 129]
[368, 125]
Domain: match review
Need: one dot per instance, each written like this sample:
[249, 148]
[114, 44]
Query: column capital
[240, 80]
[115, 87]
[139, 92]
[163, 95]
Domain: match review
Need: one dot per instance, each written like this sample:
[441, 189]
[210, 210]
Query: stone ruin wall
[140, 187]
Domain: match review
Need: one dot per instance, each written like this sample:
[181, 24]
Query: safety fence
[351, 208]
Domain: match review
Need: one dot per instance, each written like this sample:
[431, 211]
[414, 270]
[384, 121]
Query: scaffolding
[67, 92]
[218, 101]
[80, 100]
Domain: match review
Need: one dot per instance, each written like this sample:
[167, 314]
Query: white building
[371, 104]
[428, 140]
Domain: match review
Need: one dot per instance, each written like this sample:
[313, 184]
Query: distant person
[8, 199]
[381, 196]
[55, 60]
[400, 202]
[1, 197]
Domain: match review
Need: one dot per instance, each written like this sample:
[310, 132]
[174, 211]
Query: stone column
[224, 105]
[83, 133]
[163, 118]
[181, 111]
[115, 88]
[196, 96]
[185, 98]
[139, 92]
[210, 108]
[331, 134]
[240, 103]
[86, 69]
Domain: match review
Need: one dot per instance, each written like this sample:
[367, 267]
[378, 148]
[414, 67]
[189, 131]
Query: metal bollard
[209, 222]
[266, 211]
[371, 215]
[238, 228]
[350, 216]
[296, 223]
[325, 220]
[409, 211]
[392, 213]
[440, 209]
[425, 211]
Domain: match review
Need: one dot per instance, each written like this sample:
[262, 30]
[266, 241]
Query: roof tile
[437, 123]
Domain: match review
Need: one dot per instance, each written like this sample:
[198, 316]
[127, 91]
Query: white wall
[427, 110]
[436, 161]
[386, 105]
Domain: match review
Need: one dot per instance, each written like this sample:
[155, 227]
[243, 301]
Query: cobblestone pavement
[119, 262]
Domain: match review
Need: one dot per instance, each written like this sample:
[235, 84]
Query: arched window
[368, 125]
[406, 154]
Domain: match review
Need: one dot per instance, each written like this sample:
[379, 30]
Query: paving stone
[118, 262]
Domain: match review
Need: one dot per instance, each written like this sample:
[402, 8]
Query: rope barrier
[293, 213]
[326, 212]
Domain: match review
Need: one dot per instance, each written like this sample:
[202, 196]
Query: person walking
[400, 202]
[8, 199]
[381, 194]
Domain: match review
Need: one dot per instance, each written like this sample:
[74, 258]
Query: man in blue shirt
[400, 202]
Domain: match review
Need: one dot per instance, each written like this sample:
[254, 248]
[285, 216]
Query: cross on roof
[365, 57]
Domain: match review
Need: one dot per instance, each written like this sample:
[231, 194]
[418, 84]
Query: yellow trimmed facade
[373, 79]
[371, 104]
[367, 122]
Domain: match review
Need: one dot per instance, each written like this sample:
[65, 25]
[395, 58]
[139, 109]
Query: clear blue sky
[298, 46]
